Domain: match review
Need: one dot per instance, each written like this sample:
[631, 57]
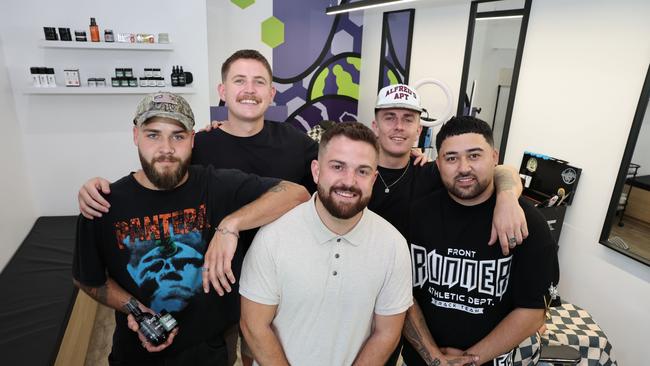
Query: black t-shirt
[152, 244]
[465, 287]
[393, 206]
[279, 150]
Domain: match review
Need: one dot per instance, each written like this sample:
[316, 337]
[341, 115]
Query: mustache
[169, 159]
[460, 176]
[343, 187]
[249, 97]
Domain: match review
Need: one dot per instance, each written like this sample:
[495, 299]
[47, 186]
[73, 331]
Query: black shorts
[208, 353]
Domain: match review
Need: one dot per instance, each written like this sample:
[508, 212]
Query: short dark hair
[244, 54]
[462, 125]
[355, 131]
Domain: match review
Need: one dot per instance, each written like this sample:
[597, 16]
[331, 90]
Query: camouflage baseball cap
[163, 104]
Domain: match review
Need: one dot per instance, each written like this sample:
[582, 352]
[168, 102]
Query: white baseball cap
[398, 96]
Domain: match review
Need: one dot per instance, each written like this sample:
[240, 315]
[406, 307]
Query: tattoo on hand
[278, 188]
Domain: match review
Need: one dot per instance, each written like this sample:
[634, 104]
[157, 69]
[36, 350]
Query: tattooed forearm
[413, 335]
[503, 180]
[109, 294]
[280, 187]
[100, 294]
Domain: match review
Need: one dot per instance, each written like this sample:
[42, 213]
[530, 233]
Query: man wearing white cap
[401, 182]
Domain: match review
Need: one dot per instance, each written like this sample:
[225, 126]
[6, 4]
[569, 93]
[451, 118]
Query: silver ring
[512, 242]
[205, 269]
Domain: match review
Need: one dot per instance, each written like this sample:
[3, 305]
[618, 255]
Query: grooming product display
[72, 77]
[80, 36]
[163, 37]
[152, 78]
[94, 30]
[109, 36]
[65, 34]
[125, 37]
[42, 77]
[50, 34]
[51, 80]
[124, 78]
[144, 38]
[34, 72]
[154, 328]
[96, 82]
[180, 77]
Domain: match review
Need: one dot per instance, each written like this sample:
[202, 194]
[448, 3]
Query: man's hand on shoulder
[91, 202]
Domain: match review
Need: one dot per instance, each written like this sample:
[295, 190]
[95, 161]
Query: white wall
[223, 16]
[581, 76]
[68, 139]
[17, 212]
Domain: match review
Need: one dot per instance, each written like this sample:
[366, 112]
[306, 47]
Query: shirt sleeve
[534, 263]
[88, 265]
[236, 187]
[259, 277]
[396, 294]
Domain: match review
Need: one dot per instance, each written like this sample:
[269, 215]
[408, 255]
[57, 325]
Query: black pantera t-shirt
[417, 181]
[152, 244]
[279, 150]
[465, 287]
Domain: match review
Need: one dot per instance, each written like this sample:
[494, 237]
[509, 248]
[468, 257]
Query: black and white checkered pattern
[573, 326]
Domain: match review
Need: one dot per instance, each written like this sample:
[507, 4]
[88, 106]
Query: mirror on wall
[627, 224]
[495, 42]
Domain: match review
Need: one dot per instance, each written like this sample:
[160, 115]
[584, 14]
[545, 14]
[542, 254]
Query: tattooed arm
[268, 207]
[509, 220]
[114, 296]
[110, 294]
[417, 333]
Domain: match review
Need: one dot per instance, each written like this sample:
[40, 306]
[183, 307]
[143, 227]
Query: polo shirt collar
[323, 235]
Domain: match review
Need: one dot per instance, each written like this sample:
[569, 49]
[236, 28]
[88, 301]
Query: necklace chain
[387, 190]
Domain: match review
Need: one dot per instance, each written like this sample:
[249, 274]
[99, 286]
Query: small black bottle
[181, 77]
[150, 325]
[174, 76]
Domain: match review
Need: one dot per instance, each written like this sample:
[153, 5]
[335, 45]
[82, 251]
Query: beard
[167, 179]
[467, 193]
[340, 210]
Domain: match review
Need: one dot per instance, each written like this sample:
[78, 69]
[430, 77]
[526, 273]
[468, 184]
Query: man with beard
[471, 299]
[328, 283]
[149, 249]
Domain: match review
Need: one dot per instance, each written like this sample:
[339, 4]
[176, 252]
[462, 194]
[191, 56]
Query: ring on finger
[512, 242]
[205, 269]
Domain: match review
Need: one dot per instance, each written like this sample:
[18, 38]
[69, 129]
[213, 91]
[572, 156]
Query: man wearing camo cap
[148, 250]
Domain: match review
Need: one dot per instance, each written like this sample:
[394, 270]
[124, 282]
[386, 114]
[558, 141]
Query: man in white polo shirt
[329, 282]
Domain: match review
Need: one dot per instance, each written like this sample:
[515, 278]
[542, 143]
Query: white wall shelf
[106, 90]
[107, 45]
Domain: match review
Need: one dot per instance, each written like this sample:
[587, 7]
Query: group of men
[327, 280]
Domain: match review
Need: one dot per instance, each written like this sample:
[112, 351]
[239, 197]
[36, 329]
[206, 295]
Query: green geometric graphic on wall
[273, 32]
[243, 3]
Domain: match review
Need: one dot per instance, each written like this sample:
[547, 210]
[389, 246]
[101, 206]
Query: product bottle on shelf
[35, 71]
[174, 76]
[51, 80]
[181, 77]
[94, 30]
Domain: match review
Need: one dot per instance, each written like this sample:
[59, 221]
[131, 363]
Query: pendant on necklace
[387, 190]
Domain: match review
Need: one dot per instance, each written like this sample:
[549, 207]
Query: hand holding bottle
[157, 336]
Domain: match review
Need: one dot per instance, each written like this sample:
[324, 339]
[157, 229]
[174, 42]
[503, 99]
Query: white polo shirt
[327, 286]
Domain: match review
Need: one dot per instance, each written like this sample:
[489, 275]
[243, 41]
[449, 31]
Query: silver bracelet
[225, 231]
